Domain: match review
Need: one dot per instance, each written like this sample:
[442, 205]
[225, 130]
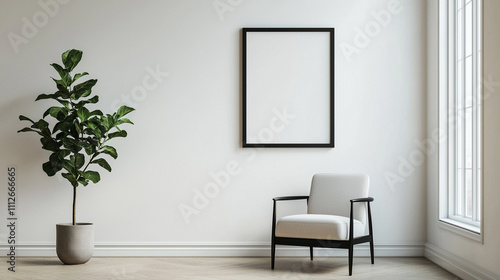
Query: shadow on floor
[298, 265]
[40, 261]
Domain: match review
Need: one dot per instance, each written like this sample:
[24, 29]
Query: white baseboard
[220, 250]
[457, 265]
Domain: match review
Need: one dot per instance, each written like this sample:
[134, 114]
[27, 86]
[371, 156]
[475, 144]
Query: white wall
[187, 126]
[447, 247]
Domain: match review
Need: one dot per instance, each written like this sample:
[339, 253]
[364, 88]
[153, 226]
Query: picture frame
[288, 87]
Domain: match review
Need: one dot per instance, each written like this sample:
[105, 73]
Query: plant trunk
[74, 205]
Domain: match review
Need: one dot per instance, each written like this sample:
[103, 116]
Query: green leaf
[60, 135]
[71, 144]
[78, 129]
[83, 181]
[96, 112]
[50, 144]
[60, 113]
[92, 141]
[43, 126]
[85, 85]
[24, 118]
[56, 160]
[62, 90]
[61, 85]
[63, 73]
[63, 153]
[78, 76]
[40, 124]
[47, 112]
[63, 93]
[71, 178]
[46, 96]
[103, 163]
[123, 110]
[92, 176]
[54, 157]
[84, 89]
[92, 100]
[90, 149]
[49, 169]
[124, 120]
[93, 129]
[107, 121]
[109, 151]
[63, 102]
[80, 160]
[121, 133]
[63, 127]
[83, 113]
[68, 166]
[98, 122]
[71, 58]
[27, 129]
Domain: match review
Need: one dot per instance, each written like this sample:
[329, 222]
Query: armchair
[338, 208]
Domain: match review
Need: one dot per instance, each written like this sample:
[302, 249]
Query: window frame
[448, 118]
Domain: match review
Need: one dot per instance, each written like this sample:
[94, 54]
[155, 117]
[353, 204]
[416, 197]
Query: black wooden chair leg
[371, 252]
[273, 253]
[311, 252]
[350, 259]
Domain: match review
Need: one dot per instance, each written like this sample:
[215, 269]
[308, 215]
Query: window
[461, 114]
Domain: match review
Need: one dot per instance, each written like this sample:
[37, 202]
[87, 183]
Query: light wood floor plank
[225, 268]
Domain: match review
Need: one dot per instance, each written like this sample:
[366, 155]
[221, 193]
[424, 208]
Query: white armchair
[338, 209]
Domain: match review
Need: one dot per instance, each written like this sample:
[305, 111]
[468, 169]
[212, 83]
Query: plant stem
[74, 191]
[74, 205]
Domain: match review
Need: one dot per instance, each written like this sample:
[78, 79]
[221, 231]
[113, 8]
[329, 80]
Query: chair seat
[316, 226]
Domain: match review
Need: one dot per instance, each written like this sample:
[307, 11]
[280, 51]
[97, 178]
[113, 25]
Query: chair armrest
[282, 198]
[291, 197]
[363, 199]
[351, 218]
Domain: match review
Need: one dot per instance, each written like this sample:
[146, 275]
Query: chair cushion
[331, 194]
[317, 226]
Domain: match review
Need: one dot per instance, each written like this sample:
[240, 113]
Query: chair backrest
[331, 194]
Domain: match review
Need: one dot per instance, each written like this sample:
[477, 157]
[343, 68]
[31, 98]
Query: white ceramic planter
[75, 243]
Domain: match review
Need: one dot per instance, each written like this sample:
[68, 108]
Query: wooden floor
[225, 268]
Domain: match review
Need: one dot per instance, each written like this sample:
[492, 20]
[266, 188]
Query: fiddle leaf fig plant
[78, 139]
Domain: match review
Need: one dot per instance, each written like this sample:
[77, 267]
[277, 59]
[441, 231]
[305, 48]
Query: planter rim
[77, 224]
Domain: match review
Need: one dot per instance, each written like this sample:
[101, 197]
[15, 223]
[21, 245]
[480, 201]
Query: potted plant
[77, 138]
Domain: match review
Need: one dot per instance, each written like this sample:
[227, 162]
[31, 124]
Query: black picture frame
[283, 66]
